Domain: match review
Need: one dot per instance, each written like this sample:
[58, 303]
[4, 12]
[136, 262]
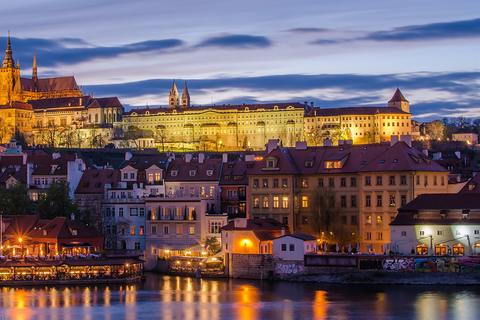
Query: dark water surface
[166, 297]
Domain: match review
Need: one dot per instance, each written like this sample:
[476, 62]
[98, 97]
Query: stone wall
[252, 266]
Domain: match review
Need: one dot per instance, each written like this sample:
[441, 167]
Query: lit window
[304, 201]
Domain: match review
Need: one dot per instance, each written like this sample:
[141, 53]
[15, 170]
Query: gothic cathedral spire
[34, 69]
[185, 97]
[173, 97]
[8, 62]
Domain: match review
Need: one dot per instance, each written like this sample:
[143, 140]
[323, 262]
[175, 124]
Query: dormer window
[308, 164]
[192, 173]
[174, 173]
[443, 214]
[74, 232]
[465, 214]
[209, 173]
[333, 164]
[44, 232]
[271, 163]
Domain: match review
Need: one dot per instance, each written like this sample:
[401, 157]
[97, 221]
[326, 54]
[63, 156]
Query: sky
[344, 53]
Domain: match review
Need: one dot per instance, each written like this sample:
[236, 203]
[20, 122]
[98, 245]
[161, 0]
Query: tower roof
[185, 91]
[398, 96]
[174, 88]
[8, 62]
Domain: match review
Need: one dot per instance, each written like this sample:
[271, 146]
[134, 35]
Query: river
[171, 297]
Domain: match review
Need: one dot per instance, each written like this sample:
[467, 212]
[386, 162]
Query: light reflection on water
[165, 297]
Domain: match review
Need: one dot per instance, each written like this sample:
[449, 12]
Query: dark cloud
[434, 31]
[461, 85]
[236, 41]
[328, 41]
[309, 30]
[55, 52]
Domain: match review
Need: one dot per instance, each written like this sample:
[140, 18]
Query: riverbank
[394, 278]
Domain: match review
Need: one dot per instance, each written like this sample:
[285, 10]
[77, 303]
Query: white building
[294, 246]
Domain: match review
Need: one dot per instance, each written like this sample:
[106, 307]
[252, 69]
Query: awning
[179, 245]
[76, 245]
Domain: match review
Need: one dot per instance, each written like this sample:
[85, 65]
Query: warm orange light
[246, 242]
[20, 240]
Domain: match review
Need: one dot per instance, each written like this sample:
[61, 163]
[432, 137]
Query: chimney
[55, 155]
[29, 174]
[128, 156]
[407, 139]
[457, 153]
[188, 157]
[301, 145]
[327, 142]
[249, 157]
[225, 158]
[437, 155]
[72, 216]
[425, 152]
[393, 140]
[272, 145]
[240, 222]
[283, 231]
[311, 104]
[201, 157]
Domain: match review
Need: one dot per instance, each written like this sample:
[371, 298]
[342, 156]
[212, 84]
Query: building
[251, 236]
[360, 124]
[367, 184]
[467, 135]
[294, 246]
[438, 224]
[16, 88]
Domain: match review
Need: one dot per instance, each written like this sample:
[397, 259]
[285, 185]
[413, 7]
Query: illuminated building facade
[438, 224]
[369, 182]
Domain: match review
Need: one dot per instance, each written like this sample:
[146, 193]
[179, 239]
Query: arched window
[440, 249]
[458, 249]
[96, 117]
[422, 249]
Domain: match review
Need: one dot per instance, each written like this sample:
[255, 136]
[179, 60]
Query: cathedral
[15, 88]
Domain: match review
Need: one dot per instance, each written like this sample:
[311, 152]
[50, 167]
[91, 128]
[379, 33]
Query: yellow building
[359, 124]
[15, 117]
[15, 88]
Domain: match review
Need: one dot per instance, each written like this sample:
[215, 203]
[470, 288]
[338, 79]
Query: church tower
[185, 97]
[173, 97]
[399, 101]
[9, 75]
[34, 69]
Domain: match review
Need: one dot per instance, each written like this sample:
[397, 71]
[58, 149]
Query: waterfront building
[369, 183]
[294, 246]
[438, 224]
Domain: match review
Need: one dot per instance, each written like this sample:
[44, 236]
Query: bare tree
[435, 130]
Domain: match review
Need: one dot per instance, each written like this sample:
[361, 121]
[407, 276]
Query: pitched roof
[183, 170]
[443, 201]
[49, 84]
[145, 162]
[235, 173]
[65, 102]
[267, 224]
[398, 96]
[371, 111]
[301, 236]
[93, 181]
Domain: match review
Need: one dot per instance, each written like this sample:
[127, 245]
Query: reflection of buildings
[438, 224]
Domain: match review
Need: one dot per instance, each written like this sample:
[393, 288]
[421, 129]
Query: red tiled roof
[398, 96]
[49, 84]
[43, 104]
[233, 169]
[94, 180]
[145, 162]
[267, 224]
[183, 170]
[371, 111]
[17, 105]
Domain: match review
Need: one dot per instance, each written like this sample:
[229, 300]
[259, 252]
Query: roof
[372, 111]
[472, 186]
[94, 180]
[301, 236]
[49, 84]
[17, 105]
[235, 173]
[145, 162]
[464, 131]
[242, 107]
[65, 102]
[267, 224]
[443, 201]
[183, 170]
[398, 96]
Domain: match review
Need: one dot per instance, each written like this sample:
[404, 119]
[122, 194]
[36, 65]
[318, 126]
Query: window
[265, 183]
[154, 229]
[442, 181]
[215, 226]
[353, 200]
[285, 220]
[265, 202]
[343, 182]
[440, 233]
[120, 212]
[331, 182]
[142, 230]
[256, 183]
[134, 211]
[292, 247]
[425, 180]
[270, 163]
[368, 201]
[212, 190]
[353, 220]
[285, 202]
[379, 236]
[343, 219]
[132, 175]
[142, 212]
[320, 182]
[353, 182]
[132, 230]
[285, 183]
[343, 201]
[368, 219]
[404, 199]
[276, 202]
[304, 201]
[275, 183]
[379, 180]
[256, 202]
[434, 180]
[392, 200]
[232, 193]
[403, 180]
[368, 236]
[137, 245]
[165, 229]
[179, 229]
[304, 220]
[476, 232]
[379, 220]
[304, 183]
[368, 181]
[392, 180]
[284, 247]
[418, 180]
[379, 200]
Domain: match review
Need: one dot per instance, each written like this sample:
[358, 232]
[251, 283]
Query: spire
[8, 62]
[185, 96]
[34, 69]
[398, 96]
[173, 98]
[399, 101]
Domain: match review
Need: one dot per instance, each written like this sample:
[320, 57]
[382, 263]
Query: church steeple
[185, 97]
[173, 97]
[34, 69]
[8, 62]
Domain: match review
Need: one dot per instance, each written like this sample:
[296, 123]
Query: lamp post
[21, 247]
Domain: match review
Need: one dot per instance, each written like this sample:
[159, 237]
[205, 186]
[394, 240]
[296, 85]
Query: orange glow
[247, 297]
[320, 305]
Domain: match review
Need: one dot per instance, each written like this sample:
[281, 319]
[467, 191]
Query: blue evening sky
[335, 53]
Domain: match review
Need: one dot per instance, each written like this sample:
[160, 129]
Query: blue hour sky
[334, 53]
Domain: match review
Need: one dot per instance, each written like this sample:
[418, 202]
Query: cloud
[236, 41]
[69, 50]
[309, 30]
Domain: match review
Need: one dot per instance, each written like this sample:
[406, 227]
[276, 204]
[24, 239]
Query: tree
[314, 136]
[160, 135]
[15, 201]
[133, 133]
[49, 134]
[56, 202]
[213, 245]
[435, 130]
[326, 221]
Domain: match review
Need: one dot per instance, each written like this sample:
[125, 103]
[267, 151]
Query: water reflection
[166, 297]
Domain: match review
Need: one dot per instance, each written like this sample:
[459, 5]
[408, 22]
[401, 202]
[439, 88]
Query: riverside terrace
[110, 270]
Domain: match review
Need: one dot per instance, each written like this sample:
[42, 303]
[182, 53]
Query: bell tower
[185, 97]
[399, 101]
[9, 75]
[173, 97]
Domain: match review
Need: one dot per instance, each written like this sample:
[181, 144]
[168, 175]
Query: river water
[169, 297]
